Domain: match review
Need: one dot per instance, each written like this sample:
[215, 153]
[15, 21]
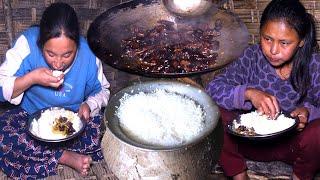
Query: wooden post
[8, 18]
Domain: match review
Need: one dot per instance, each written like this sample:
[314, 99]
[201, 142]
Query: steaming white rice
[56, 73]
[262, 124]
[43, 127]
[160, 118]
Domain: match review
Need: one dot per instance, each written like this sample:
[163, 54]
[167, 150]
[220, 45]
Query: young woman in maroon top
[281, 73]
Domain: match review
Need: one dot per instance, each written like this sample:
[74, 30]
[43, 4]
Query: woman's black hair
[294, 14]
[57, 19]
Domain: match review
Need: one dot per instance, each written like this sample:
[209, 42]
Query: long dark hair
[295, 15]
[58, 18]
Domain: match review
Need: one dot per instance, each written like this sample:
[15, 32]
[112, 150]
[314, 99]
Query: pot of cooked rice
[162, 130]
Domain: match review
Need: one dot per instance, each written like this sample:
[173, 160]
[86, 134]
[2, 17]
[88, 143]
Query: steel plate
[257, 137]
[37, 115]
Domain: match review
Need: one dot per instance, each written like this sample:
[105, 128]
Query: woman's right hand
[302, 113]
[263, 102]
[40, 76]
[44, 77]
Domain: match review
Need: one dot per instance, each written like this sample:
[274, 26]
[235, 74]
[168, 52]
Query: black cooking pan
[114, 25]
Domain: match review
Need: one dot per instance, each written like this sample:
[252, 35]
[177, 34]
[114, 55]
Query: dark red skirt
[299, 149]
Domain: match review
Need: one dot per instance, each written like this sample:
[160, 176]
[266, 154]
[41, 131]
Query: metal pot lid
[110, 31]
[191, 7]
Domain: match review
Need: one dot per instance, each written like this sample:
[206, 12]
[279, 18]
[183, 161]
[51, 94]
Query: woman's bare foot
[79, 162]
[241, 176]
[294, 177]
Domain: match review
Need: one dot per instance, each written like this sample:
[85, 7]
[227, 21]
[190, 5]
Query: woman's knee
[312, 130]
[305, 164]
[309, 141]
[226, 115]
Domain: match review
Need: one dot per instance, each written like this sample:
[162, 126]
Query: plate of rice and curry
[55, 124]
[254, 126]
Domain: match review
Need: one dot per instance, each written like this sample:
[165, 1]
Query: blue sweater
[80, 79]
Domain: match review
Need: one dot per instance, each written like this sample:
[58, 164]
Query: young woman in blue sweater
[281, 73]
[27, 79]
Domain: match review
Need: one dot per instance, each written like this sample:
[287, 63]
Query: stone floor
[100, 171]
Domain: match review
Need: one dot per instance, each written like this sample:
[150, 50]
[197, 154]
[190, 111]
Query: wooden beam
[8, 18]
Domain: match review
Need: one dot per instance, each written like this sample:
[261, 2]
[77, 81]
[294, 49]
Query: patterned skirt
[22, 157]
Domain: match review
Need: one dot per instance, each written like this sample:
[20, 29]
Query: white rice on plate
[160, 118]
[43, 127]
[262, 124]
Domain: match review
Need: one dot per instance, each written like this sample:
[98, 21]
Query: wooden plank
[244, 4]
[99, 170]
[27, 4]
[8, 21]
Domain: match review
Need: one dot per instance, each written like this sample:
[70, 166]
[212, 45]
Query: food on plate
[245, 130]
[254, 124]
[168, 49]
[160, 118]
[63, 126]
[56, 124]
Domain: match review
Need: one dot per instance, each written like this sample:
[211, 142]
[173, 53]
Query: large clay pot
[129, 159]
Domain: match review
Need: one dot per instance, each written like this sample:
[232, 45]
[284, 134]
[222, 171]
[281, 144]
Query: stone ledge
[269, 170]
[265, 170]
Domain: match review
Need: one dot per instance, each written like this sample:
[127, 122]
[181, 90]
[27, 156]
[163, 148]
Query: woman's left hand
[84, 111]
[302, 113]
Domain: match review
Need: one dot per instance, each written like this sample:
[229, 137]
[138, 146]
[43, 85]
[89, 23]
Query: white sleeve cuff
[94, 108]
[8, 90]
